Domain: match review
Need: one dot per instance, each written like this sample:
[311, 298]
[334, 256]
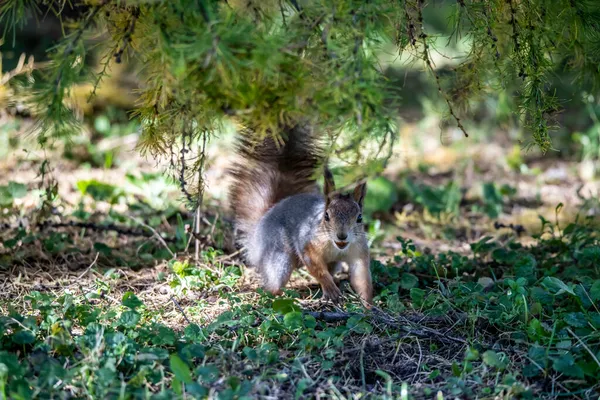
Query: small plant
[211, 275]
[436, 200]
[10, 192]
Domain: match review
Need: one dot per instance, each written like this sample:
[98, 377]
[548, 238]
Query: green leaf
[408, 281]
[556, 285]
[471, 354]
[99, 191]
[595, 319]
[565, 364]
[531, 371]
[23, 337]
[417, 296]
[576, 319]
[504, 256]
[525, 267]
[102, 249]
[358, 324]
[208, 373]
[176, 385]
[6, 198]
[456, 369]
[193, 333]
[131, 300]
[494, 359]
[180, 369]
[129, 319]
[293, 320]
[595, 291]
[284, 306]
[17, 190]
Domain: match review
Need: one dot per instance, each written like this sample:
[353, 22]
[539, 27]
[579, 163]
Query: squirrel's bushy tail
[268, 172]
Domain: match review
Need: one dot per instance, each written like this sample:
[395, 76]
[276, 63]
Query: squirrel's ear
[359, 194]
[329, 183]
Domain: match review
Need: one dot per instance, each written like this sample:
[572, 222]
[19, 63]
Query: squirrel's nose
[342, 236]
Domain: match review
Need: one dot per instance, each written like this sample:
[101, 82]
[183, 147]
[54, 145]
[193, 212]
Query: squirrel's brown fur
[283, 222]
[268, 172]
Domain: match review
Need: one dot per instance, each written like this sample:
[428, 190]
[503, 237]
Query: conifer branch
[75, 40]
[429, 64]
[204, 62]
[135, 13]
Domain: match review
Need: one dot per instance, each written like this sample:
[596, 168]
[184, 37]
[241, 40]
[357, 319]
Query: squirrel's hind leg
[276, 272]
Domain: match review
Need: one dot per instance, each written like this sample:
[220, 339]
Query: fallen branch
[180, 309]
[381, 317]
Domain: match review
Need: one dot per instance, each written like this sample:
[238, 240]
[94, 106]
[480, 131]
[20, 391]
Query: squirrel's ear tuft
[359, 194]
[329, 183]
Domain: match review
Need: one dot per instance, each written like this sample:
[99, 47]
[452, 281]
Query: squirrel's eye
[359, 219]
[326, 216]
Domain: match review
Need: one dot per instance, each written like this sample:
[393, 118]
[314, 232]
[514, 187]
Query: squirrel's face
[343, 213]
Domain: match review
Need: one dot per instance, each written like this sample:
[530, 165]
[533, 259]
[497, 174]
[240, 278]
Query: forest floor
[486, 267]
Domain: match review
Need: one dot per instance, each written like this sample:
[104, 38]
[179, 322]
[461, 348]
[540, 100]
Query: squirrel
[283, 222]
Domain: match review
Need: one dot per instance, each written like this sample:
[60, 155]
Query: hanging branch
[182, 167]
[427, 59]
[515, 38]
[493, 38]
[200, 195]
[78, 35]
[135, 13]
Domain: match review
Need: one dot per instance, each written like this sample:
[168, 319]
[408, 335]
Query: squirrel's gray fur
[282, 221]
[267, 173]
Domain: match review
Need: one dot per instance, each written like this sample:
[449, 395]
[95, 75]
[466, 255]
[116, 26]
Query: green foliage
[267, 65]
[444, 199]
[543, 296]
[10, 192]
[381, 196]
[549, 325]
[217, 277]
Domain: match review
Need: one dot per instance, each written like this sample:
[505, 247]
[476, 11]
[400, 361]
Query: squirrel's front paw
[332, 293]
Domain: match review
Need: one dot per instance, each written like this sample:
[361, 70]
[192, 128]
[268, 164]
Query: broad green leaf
[129, 319]
[6, 198]
[456, 369]
[576, 319]
[595, 319]
[358, 324]
[417, 296]
[504, 256]
[408, 281]
[99, 191]
[525, 266]
[565, 364]
[284, 306]
[23, 337]
[180, 369]
[102, 124]
[17, 190]
[102, 249]
[208, 373]
[531, 370]
[471, 354]
[494, 359]
[193, 333]
[556, 285]
[595, 291]
[293, 320]
[131, 300]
